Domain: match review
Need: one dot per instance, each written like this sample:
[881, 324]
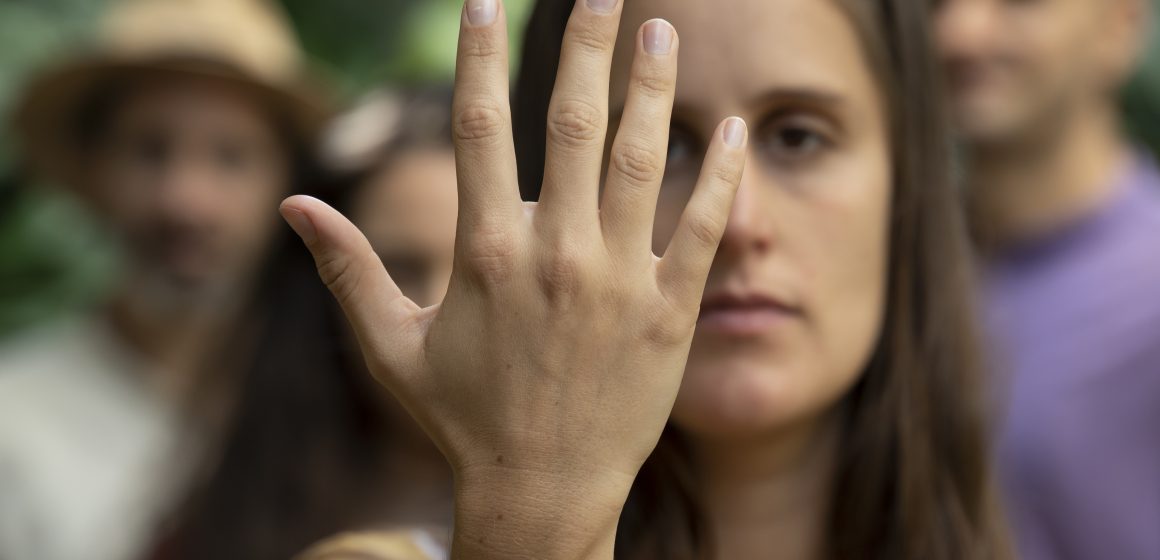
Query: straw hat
[249, 42]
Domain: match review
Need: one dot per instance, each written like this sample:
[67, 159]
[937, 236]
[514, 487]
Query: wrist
[506, 512]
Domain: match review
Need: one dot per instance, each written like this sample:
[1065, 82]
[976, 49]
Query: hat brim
[46, 117]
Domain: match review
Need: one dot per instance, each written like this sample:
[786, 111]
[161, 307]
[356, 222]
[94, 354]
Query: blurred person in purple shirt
[1067, 218]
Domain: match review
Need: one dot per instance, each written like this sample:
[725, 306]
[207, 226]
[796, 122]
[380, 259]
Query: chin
[737, 398]
[985, 121]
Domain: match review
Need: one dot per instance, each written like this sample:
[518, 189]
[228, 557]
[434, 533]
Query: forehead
[193, 100]
[1067, 19]
[414, 198]
[416, 179]
[741, 49]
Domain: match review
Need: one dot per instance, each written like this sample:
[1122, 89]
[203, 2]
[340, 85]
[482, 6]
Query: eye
[793, 139]
[150, 148]
[683, 147]
[798, 139]
[232, 156]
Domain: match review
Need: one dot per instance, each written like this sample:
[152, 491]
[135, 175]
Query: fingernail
[735, 132]
[602, 6]
[658, 37]
[300, 224]
[481, 12]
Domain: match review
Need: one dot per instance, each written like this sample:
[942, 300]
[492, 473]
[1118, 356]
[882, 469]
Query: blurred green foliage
[1141, 99]
[364, 43]
[47, 269]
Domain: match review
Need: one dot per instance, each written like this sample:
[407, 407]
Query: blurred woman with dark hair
[805, 354]
[314, 447]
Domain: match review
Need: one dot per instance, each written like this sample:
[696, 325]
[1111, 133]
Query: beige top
[414, 544]
[90, 460]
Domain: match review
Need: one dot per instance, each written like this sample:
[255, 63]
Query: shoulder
[412, 544]
[49, 366]
[42, 353]
[35, 367]
[1143, 197]
[1125, 245]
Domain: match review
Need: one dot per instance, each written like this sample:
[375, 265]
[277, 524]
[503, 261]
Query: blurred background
[356, 44]
[239, 402]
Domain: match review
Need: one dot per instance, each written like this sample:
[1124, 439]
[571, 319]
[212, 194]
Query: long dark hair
[912, 479]
[300, 442]
[303, 453]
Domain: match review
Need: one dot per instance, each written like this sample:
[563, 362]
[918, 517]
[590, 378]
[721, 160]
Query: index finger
[485, 157]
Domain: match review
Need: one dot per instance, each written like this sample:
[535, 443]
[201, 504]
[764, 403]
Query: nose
[185, 191]
[750, 227]
[965, 27]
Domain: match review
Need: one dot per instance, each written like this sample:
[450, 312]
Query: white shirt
[90, 460]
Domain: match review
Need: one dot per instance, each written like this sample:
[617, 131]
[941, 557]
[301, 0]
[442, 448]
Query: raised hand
[549, 370]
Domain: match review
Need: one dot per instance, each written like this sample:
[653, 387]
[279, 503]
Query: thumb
[382, 317]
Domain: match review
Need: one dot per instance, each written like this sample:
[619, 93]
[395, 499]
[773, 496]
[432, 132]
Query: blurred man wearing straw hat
[182, 128]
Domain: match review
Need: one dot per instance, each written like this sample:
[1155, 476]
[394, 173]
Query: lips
[743, 315]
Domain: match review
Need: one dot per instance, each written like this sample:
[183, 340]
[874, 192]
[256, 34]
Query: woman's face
[408, 210]
[795, 300]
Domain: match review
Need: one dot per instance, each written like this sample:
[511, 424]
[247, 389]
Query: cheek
[439, 279]
[849, 304]
[1053, 52]
[834, 239]
[248, 208]
[122, 196]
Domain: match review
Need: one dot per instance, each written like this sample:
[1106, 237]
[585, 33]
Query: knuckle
[481, 47]
[727, 173]
[559, 275]
[653, 85]
[705, 229]
[341, 275]
[670, 327]
[491, 256]
[576, 123]
[589, 38]
[638, 164]
[479, 122]
[666, 334]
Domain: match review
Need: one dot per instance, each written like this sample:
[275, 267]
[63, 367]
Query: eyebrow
[816, 97]
[811, 96]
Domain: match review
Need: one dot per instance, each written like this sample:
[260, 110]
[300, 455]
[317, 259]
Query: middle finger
[578, 116]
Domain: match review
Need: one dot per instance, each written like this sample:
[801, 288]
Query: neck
[768, 496]
[1026, 189]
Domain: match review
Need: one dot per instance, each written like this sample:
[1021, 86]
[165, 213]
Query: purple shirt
[1075, 325]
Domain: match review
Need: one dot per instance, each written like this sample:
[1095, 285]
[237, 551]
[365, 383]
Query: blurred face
[189, 174]
[1015, 67]
[408, 212]
[794, 303]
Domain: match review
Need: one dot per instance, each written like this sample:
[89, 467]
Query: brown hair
[912, 480]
